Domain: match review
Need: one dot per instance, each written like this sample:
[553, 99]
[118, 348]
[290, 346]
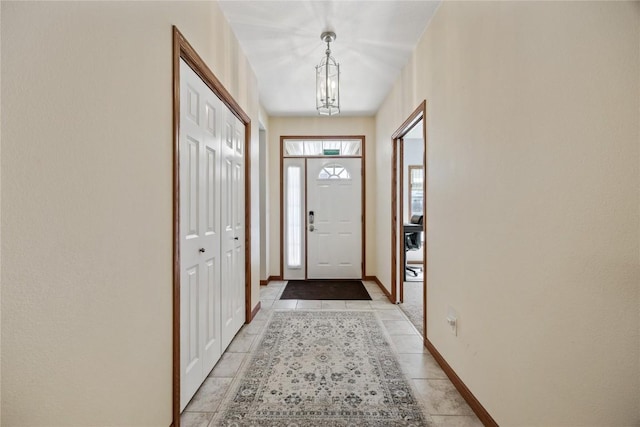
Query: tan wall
[87, 204]
[533, 203]
[302, 126]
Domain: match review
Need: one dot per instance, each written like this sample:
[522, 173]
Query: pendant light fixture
[328, 80]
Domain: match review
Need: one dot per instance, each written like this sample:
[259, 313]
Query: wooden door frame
[403, 255]
[183, 50]
[362, 158]
[419, 114]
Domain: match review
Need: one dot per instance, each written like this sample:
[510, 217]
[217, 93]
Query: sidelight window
[294, 217]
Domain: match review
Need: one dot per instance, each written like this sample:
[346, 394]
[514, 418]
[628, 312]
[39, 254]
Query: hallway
[434, 390]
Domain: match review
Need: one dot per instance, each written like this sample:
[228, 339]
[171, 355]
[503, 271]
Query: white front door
[211, 216]
[334, 218]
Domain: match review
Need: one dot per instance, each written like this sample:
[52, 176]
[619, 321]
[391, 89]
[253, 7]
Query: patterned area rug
[322, 368]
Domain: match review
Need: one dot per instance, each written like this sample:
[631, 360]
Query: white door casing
[202, 289]
[334, 240]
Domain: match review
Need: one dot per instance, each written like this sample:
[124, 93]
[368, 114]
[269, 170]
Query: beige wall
[533, 203]
[302, 126]
[87, 202]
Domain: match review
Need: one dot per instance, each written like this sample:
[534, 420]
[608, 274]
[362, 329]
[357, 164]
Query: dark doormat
[325, 289]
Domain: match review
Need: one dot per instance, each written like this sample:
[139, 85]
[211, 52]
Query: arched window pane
[334, 171]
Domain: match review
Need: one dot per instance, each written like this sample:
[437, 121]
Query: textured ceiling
[282, 42]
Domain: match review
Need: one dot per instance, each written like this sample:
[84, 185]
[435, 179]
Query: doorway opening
[322, 199]
[263, 185]
[409, 218]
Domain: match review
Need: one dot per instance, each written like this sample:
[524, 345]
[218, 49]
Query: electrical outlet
[453, 324]
[452, 321]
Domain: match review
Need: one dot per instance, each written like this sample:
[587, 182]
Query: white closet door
[233, 236]
[200, 334]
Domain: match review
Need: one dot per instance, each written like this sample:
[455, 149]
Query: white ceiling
[282, 42]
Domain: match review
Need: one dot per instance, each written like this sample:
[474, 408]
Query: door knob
[311, 227]
[201, 250]
[235, 238]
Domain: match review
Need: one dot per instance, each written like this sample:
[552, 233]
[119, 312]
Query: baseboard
[270, 279]
[464, 391]
[381, 286]
[254, 311]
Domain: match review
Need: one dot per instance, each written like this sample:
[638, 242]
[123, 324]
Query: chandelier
[328, 80]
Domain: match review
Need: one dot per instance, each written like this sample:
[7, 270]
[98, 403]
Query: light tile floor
[440, 398]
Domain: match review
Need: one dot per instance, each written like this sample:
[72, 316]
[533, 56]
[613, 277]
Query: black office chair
[412, 242]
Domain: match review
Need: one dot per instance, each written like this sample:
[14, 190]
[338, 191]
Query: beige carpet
[412, 305]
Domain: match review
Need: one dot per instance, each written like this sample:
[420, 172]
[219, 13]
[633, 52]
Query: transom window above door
[322, 148]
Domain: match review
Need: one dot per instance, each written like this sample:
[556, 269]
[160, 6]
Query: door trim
[402, 254]
[362, 138]
[418, 114]
[182, 49]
